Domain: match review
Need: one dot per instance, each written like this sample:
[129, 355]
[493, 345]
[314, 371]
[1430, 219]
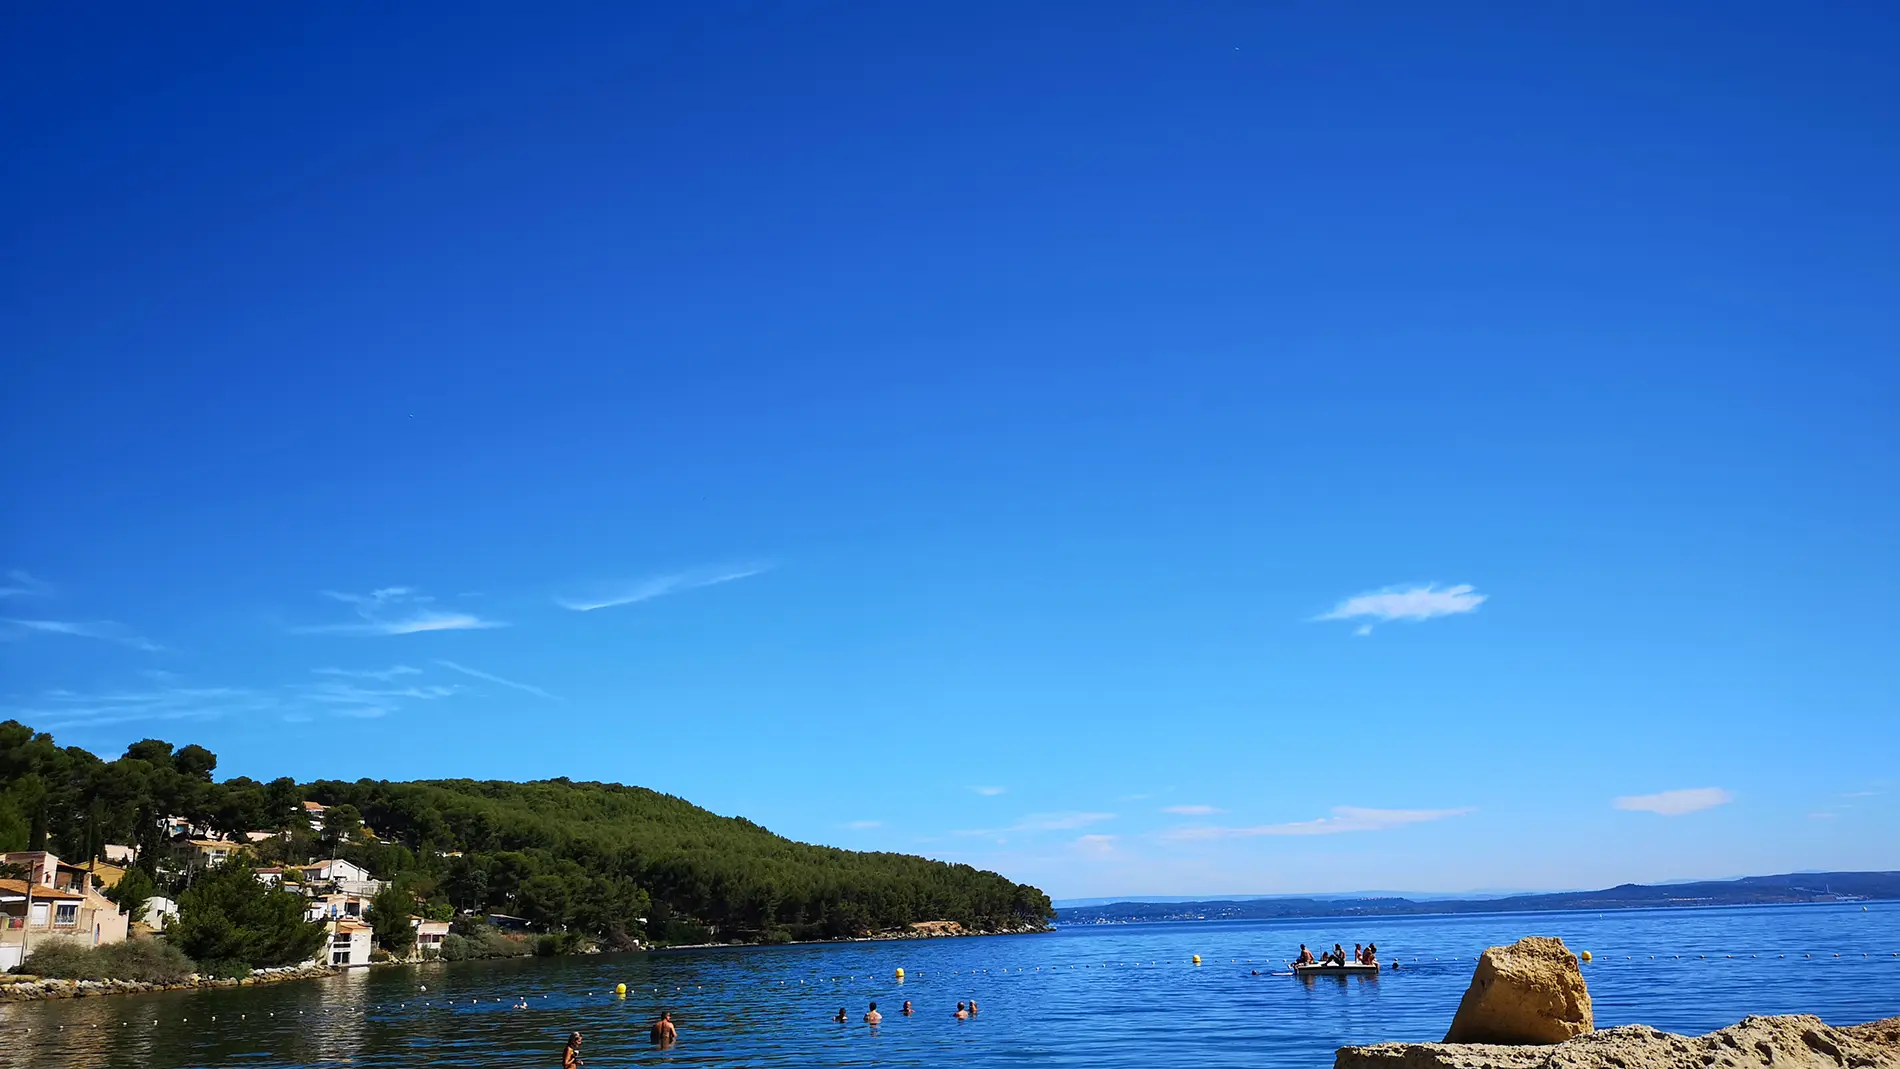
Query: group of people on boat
[1361, 955]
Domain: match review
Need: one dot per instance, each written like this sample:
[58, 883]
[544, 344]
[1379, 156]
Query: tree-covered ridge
[606, 861]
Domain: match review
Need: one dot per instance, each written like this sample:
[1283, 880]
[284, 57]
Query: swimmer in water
[871, 1016]
[841, 1017]
[962, 1014]
[662, 1031]
[907, 1010]
[571, 1057]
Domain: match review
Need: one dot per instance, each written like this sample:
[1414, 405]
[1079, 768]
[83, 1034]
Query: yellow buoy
[620, 990]
[1585, 955]
[900, 973]
[1197, 959]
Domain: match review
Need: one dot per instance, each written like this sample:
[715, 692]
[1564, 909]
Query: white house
[314, 814]
[347, 875]
[119, 855]
[348, 944]
[198, 854]
[429, 937]
[341, 905]
[159, 912]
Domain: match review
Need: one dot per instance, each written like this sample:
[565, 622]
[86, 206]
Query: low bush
[484, 942]
[377, 955]
[61, 959]
[224, 969]
[146, 961]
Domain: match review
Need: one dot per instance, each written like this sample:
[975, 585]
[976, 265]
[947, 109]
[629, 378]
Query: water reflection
[1114, 996]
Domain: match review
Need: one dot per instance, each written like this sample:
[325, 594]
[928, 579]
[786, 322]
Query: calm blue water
[1121, 995]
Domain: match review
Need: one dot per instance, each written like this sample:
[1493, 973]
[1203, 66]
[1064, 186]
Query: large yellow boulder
[1529, 992]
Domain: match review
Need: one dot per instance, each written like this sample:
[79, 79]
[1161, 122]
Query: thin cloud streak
[1034, 822]
[23, 585]
[467, 671]
[104, 630]
[990, 792]
[864, 825]
[659, 586]
[417, 624]
[1192, 810]
[1410, 603]
[383, 675]
[1345, 819]
[1675, 803]
[396, 610]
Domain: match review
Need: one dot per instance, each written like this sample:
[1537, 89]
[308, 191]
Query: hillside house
[55, 901]
[429, 935]
[348, 945]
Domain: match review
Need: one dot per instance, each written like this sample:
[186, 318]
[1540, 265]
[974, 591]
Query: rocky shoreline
[34, 989]
[1528, 1008]
[1790, 1042]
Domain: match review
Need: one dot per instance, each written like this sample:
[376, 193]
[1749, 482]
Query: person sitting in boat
[1306, 956]
[1358, 954]
[1371, 956]
[1339, 955]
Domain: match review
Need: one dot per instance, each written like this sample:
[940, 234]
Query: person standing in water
[907, 1010]
[871, 1016]
[662, 1031]
[962, 1014]
[571, 1056]
[973, 1007]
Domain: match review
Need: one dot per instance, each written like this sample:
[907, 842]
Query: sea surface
[1110, 995]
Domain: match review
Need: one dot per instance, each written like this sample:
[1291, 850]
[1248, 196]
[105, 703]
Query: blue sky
[1145, 450]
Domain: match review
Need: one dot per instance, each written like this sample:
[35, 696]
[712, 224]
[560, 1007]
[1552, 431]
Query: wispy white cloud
[1192, 810]
[658, 586]
[1034, 822]
[1096, 846]
[351, 694]
[865, 825]
[467, 671]
[1861, 794]
[1407, 603]
[105, 630]
[1675, 803]
[396, 610]
[363, 712]
[990, 792]
[21, 585]
[63, 709]
[383, 674]
[1345, 818]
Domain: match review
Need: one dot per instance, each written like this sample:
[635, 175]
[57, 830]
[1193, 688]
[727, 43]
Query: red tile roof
[18, 887]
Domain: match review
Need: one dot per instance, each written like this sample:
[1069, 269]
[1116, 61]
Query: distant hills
[1793, 887]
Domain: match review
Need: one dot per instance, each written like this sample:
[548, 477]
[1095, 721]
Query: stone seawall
[33, 988]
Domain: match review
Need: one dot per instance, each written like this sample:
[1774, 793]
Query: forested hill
[604, 860]
[727, 873]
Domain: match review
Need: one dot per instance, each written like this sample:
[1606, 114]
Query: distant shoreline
[895, 937]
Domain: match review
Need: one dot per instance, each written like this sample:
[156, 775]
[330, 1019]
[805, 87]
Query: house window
[66, 914]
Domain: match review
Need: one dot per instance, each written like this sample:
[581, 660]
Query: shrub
[148, 961]
[378, 955]
[456, 947]
[482, 941]
[430, 953]
[224, 969]
[62, 959]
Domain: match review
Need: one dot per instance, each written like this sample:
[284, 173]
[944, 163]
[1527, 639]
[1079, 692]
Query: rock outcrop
[1529, 992]
[1793, 1042]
